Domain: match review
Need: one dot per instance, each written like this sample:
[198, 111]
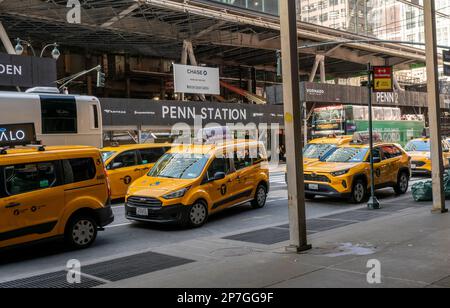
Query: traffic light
[101, 79]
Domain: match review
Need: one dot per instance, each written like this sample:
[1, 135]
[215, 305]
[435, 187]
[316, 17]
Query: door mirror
[219, 176]
[117, 165]
[376, 160]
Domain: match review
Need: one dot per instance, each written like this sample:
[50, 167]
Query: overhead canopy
[221, 34]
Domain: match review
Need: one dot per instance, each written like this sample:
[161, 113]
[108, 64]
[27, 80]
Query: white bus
[59, 119]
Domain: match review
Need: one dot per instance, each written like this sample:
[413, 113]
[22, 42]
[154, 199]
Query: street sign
[383, 79]
[446, 55]
[17, 134]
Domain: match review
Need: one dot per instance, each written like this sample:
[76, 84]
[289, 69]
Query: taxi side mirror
[219, 176]
[376, 160]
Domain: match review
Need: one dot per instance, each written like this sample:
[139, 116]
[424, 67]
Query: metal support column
[434, 106]
[293, 125]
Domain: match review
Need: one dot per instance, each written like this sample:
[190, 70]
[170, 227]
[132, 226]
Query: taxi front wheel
[81, 232]
[260, 197]
[197, 215]
[359, 192]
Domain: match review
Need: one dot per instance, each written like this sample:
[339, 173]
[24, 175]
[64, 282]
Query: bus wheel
[81, 232]
[359, 192]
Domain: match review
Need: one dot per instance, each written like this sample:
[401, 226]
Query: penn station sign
[25, 71]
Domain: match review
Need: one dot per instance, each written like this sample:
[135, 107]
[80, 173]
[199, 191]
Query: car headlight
[176, 194]
[339, 173]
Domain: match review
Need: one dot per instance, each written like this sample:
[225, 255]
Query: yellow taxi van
[126, 163]
[420, 152]
[51, 192]
[346, 171]
[191, 182]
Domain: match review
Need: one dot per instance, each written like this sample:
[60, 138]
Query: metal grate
[357, 216]
[267, 236]
[132, 266]
[316, 178]
[320, 225]
[52, 280]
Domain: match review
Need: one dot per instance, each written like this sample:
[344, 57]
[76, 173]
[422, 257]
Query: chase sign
[17, 134]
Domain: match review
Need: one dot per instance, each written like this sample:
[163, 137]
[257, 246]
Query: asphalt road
[124, 238]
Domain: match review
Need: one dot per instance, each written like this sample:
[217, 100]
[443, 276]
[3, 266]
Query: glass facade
[400, 20]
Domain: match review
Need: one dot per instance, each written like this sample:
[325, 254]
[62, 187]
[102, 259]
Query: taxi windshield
[107, 154]
[315, 150]
[346, 155]
[179, 166]
[417, 145]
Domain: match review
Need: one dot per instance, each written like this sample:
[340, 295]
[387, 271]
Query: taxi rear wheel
[81, 232]
[260, 197]
[359, 192]
[197, 215]
[402, 184]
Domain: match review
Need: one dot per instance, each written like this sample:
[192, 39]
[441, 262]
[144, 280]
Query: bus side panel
[90, 122]
[21, 109]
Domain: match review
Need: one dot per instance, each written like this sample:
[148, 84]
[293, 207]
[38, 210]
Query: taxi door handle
[137, 169]
[12, 205]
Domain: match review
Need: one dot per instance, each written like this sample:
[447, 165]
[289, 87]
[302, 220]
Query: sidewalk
[412, 245]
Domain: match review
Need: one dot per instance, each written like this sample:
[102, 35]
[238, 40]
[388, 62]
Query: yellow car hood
[416, 155]
[156, 187]
[325, 167]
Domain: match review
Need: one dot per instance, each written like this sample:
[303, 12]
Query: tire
[402, 185]
[197, 215]
[260, 197]
[81, 232]
[359, 191]
[310, 196]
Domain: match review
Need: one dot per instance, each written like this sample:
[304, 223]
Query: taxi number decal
[127, 180]
[223, 190]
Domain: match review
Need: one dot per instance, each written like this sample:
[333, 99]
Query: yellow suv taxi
[319, 147]
[49, 192]
[346, 171]
[126, 163]
[420, 152]
[191, 182]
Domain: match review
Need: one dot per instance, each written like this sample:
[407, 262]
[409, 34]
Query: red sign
[383, 79]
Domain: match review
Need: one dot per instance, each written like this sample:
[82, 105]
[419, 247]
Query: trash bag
[422, 191]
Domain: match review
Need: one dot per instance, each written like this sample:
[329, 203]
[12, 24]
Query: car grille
[144, 202]
[418, 163]
[316, 178]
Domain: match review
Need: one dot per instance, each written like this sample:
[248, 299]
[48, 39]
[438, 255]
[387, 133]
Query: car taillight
[108, 183]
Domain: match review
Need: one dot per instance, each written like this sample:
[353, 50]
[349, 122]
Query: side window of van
[78, 170]
[150, 156]
[242, 159]
[25, 178]
[218, 165]
[2, 187]
[127, 159]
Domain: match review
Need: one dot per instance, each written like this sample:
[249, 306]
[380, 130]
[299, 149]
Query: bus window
[95, 114]
[59, 115]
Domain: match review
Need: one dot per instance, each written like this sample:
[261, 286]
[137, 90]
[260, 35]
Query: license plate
[141, 211]
[413, 166]
[313, 186]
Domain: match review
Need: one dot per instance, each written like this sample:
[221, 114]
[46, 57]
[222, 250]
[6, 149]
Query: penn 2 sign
[17, 134]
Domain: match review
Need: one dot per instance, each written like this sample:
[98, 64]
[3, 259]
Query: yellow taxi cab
[51, 192]
[316, 148]
[346, 171]
[420, 152]
[189, 183]
[126, 163]
[319, 147]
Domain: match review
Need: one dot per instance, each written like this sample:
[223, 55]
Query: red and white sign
[383, 79]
